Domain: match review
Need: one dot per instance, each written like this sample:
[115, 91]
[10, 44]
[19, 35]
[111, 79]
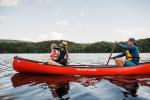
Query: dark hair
[64, 48]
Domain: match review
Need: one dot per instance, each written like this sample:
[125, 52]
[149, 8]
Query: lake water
[28, 86]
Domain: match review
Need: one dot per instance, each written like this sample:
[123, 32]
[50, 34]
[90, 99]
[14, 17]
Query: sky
[80, 21]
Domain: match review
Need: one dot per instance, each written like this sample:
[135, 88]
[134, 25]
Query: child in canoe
[62, 58]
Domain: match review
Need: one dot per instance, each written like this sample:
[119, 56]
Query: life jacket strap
[134, 57]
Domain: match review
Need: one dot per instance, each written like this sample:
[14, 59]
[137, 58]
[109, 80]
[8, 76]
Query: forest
[16, 46]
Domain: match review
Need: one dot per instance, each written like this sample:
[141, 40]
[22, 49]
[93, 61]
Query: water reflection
[129, 83]
[60, 89]
[60, 85]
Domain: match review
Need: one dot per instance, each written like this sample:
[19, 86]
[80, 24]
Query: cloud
[143, 30]
[123, 34]
[79, 24]
[10, 2]
[137, 33]
[4, 17]
[56, 36]
[13, 3]
[124, 38]
[24, 39]
[122, 22]
[30, 8]
[77, 30]
[42, 37]
[81, 13]
[133, 32]
[51, 36]
[62, 23]
[59, 10]
[18, 6]
[41, 1]
[127, 32]
[44, 1]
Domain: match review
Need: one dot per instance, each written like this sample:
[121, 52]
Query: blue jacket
[133, 51]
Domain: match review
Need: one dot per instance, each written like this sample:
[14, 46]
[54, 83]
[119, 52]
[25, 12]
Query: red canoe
[25, 65]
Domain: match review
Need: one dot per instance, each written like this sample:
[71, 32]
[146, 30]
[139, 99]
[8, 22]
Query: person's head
[64, 45]
[53, 46]
[131, 42]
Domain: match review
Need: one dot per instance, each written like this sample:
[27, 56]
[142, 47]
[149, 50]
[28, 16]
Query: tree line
[45, 46]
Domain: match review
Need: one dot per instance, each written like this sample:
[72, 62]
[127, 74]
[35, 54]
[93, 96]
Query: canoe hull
[21, 65]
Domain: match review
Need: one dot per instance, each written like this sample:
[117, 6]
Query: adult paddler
[132, 54]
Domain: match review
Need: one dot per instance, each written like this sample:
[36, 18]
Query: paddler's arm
[120, 55]
[126, 47]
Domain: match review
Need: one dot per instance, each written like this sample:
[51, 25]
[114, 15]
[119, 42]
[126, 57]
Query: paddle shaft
[111, 53]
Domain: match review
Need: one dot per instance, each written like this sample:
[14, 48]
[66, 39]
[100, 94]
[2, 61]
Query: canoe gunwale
[80, 66]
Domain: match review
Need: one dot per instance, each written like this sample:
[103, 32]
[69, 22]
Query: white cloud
[133, 32]
[137, 33]
[56, 36]
[13, 3]
[18, 6]
[122, 22]
[23, 39]
[41, 1]
[81, 13]
[30, 8]
[44, 1]
[51, 36]
[10, 2]
[123, 38]
[62, 23]
[123, 34]
[126, 32]
[42, 37]
[59, 10]
[77, 30]
[49, 0]
[79, 24]
[4, 17]
[143, 30]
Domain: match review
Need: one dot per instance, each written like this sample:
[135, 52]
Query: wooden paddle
[111, 54]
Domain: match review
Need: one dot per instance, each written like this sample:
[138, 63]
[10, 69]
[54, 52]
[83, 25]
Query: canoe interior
[80, 66]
